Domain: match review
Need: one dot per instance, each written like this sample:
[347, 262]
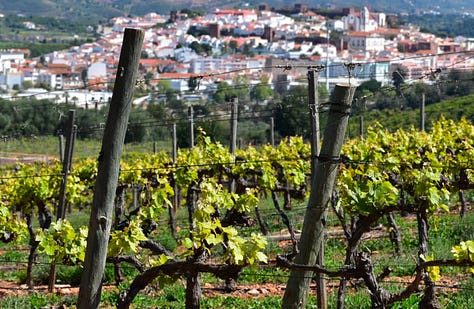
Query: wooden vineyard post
[108, 170]
[61, 147]
[191, 126]
[272, 131]
[173, 210]
[67, 162]
[296, 292]
[422, 113]
[315, 149]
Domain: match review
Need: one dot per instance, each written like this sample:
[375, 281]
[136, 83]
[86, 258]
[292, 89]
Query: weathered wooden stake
[422, 113]
[191, 126]
[61, 147]
[174, 209]
[108, 170]
[315, 149]
[233, 125]
[296, 292]
[66, 159]
[272, 131]
[67, 162]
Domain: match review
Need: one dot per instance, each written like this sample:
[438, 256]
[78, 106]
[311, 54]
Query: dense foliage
[444, 25]
[99, 10]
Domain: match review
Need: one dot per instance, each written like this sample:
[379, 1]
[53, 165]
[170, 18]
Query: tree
[401, 48]
[27, 84]
[43, 85]
[387, 99]
[196, 47]
[66, 97]
[84, 76]
[233, 45]
[201, 49]
[260, 92]
[207, 49]
[461, 83]
[224, 93]
[137, 130]
[224, 48]
[193, 83]
[247, 50]
[74, 100]
[148, 77]
[398, 77]
[192, 13]
[40, 118]
[413, 94]
[164, 86]
[161, 114]
[241, 84]
[368, 87]
[365, 90]
[291, 115]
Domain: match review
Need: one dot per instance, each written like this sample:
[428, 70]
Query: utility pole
[108, 170]
[322, 186]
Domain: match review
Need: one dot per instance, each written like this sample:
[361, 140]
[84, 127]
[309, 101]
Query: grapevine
[383, 174]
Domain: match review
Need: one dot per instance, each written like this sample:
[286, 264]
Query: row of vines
[381, 176]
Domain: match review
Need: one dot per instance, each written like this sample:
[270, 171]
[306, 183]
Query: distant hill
[99, 10]
[95, 10]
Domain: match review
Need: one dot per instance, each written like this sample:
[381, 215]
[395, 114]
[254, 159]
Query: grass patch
[37, 300]
[83, 148]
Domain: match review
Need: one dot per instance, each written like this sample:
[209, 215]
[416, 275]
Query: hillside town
[256, 42]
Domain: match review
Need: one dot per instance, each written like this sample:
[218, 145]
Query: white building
[97, 70]
[10, 75]
[79, 98]
[366, 42]
[203, 65]
[363, 20]
[326, 50]
[469, 44]
[54, 81]
[7, 58]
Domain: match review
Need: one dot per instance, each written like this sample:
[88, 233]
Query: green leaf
[187, 243]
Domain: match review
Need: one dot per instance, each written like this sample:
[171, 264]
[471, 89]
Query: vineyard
[399, 232]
